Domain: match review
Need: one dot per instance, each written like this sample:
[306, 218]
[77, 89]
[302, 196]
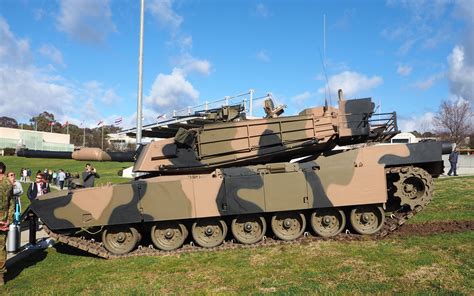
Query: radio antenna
[327, 89]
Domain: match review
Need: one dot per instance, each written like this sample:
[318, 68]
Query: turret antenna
[327, 90]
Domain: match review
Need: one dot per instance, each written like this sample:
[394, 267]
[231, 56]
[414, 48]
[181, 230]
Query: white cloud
[94, 90]
[419, 26]
[404, 70]
[189, 64]
[300, 99]
[39, 14]
[164, 13]
[88, 21]
[50, 52]
[21, 81]
[26, 89]
[428, 82]
[34, 91]
[343, 22]
[171, 91]
[185, 42]
[13, 51]
[423, 123]
[461, 74]
[263, 56]
[351, 83]
[262, 10]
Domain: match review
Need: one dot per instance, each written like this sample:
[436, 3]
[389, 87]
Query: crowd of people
[53, 177]
[11, 189]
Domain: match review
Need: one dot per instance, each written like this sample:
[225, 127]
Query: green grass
[440, 264]
[453, 200]
[434, 264]
[107, 170]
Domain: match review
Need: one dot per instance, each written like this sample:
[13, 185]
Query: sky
[79, 58]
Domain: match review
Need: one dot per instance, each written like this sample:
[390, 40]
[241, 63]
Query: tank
[321, 173]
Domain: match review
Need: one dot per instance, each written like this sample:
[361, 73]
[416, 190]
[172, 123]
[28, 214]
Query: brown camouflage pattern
[262, 140]
[337, 179]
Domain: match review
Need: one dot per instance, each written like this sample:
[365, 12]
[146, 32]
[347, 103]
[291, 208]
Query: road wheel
[209, 233]
[120, 239]
[288, 225]
[248, 229]
[168, 236]
[328, 222]
[367, 219]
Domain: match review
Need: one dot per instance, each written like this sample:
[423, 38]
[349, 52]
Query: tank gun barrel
[84, 154]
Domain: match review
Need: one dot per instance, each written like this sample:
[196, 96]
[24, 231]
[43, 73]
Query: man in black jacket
[89, 175]
[453, 160]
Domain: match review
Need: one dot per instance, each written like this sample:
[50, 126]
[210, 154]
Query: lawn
[430, 264]
[107, 170]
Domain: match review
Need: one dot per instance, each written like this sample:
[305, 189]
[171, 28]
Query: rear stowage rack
[383, 126]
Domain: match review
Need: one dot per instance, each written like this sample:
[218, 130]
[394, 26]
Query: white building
[34, 140]
[404, 138]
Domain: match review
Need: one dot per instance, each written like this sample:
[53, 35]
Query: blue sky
[79, 59]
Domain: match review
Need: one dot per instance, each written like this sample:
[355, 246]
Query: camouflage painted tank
[234, 180]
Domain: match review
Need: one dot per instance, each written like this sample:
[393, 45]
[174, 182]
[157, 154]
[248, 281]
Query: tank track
[391, 224]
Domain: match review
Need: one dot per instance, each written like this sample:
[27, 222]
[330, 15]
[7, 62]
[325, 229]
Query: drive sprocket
[414, 187]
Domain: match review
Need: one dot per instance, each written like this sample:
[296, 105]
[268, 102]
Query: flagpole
[102, 142]
[140, 77]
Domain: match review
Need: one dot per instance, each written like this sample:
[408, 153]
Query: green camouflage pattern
[262, 168]
[262, 140]
[7, 208]
[340, 178]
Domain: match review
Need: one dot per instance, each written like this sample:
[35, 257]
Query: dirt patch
[434, 227]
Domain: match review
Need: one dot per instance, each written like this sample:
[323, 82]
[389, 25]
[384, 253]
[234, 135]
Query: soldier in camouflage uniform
[6, 216]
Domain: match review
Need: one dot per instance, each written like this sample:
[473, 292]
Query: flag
[82, 123]
[50, 123]
[100, 123]
[118, 121]
[66, 124]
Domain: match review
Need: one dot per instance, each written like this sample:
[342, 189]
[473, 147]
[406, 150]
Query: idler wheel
[209, 233]
[367, 219]
[288, 225]
[248, 229]
[120, 239]
[168, 236]
[328, 222]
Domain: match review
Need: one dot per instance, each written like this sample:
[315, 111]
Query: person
[61, 178]
[55, 177]
[89, 175]
[68, 179]
[49, 179]
[6, 216]
[38, 188]
[28, 175]
[17, 189]
[23, 175]
[453, 160]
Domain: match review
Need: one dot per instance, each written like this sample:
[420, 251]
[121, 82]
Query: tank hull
[337, 179]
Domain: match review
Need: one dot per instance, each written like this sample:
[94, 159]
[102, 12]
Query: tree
[454, 120]
[8, 122]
